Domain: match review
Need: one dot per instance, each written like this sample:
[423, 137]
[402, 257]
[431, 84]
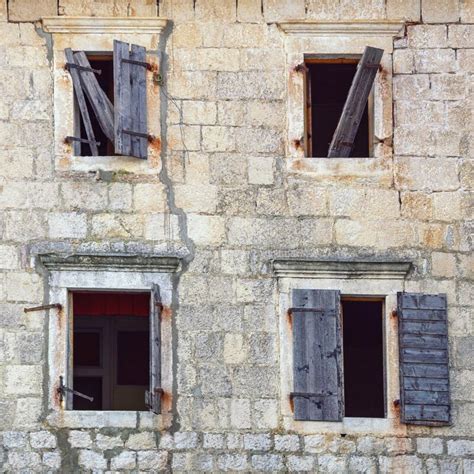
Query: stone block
[68, 225]
[9, 257]
[403, 61]
[196, 198]
[429, 445]
[234, 262]
[260, 170]
[215, 382]
[213, 441]
[434, 60]
[228, 169]
[370, 445]
[23, 380]
[399, 464]
[208, 346]
[206, 230]
[467, 11]
[193, 85]
[449, 87]
[80, 439]
[232, 113]
[92, 460]
[328, 463]
[427, 36]
[235, 352]
[461, 36]
[362, 464]
[120, 196]
[406, 87]
[156, 460]
[447, 206]
[124, 461]
[161, 227]
[300, 463]
[240, 414]
[141, 441]
[20, 460]
[261, 140]
[184, 137]
[186, 440]
[265, 414]
[279, 10]
[249, 11]
[440, 11]
[443, 264]
[14, 439]
[107, 226]
[417, 205]
[222, 10]
[199, 112]
[218, 138]
[267, 462]
[254, 381]
[21, 10]
[250, 85]
[28, 412]
[408, 10]
[52, 459]
[262, 349]
[398, 445]
[431, 174]
[271, 202]
[42, 440]
[197, 169]
[80, 195]
[149, 197]
[232, 462]
[287, 443]
[342, 446]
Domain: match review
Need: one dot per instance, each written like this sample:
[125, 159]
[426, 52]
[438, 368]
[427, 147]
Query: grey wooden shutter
[153, 396]
[131, 134]
[81, 101]
[423, 346]
[317, 355]
[346, 130]
[103, 108]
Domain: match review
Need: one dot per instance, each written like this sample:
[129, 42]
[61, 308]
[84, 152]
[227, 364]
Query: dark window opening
[363, 358]
[104, 62]
[328, 83]
[111, 350]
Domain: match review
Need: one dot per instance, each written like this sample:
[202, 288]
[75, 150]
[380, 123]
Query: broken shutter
[424, 372]
[81, 101]
[131, 134]
[346, 130]
[317, 355]
[153, 396]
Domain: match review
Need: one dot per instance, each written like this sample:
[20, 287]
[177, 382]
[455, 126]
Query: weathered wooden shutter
[424, 372]
[153, 396]
[317, 355]
[131, 134]
[81, 101]
[346, 130]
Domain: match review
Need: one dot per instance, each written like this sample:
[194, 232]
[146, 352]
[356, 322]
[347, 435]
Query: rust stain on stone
[155, 144]
[166, 312]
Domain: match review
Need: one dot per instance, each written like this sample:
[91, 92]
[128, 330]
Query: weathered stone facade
[227, 192]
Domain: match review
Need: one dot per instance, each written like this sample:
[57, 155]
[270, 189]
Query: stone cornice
[103, 25]
[110, 262]
[341, 28]
[382, 270]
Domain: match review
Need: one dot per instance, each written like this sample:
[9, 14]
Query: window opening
[111, 350]
[104, 63]
[327, 85]
[363, 347]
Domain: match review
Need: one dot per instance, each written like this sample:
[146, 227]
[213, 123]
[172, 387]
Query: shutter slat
[346, 130]
[424, 371]
[317, 356]
[81, 101]
[138, 104]
[122, 94]
[101, 105]
[153, 397]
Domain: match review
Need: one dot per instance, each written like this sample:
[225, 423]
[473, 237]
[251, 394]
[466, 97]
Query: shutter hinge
[83, 68]
[309, 394]
[139, 134]
[63, 389]
[394, 313]
[70, 139]
[396, 403]
[138, 63]
[44, 306]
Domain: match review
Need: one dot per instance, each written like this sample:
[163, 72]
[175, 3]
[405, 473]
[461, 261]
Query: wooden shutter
[423, 346]
[103, 108]
[131, 134]
[153, 396]
[346, 130]
[317, 355]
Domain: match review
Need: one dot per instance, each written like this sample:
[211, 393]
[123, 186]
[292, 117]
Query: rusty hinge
[83, 68]
[309, 394]
[311, 310]
[62, 389]
[44, 306]
[394, 313]
[139, 134]
[396, 403]
[138, 63]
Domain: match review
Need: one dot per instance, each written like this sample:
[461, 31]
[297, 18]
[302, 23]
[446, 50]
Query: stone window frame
[306, 38]
[96, 34]
[67, 273]
[361, 279]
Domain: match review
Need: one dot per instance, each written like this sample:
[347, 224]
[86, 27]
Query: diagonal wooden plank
[81, 101]
[346, 130]
[103, 108]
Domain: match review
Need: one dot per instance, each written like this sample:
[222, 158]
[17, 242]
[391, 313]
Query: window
[110, 94]
[328, 81]
[339, 114]
[338, 357]
[111, 350]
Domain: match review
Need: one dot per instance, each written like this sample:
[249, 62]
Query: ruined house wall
[225, 199]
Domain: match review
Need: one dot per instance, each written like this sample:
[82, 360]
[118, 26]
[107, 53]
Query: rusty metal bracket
[138, 63]
[309, 394]
[311, 310]
[42, 307]
[139, 134]
[70, 139]
[63, 389]
[83, 68]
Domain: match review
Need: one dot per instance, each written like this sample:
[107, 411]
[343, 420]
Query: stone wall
[226, 201]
